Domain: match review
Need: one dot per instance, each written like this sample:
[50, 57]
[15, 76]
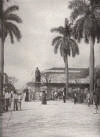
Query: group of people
[44, 96]
[93, 98]
[11, 101]
[79, 97]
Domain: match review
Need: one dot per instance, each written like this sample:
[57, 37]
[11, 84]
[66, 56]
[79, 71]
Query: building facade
[56, 77]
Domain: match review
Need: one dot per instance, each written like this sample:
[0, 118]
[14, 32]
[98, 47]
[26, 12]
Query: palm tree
[86, 26]
[7, 26]
[67, 45]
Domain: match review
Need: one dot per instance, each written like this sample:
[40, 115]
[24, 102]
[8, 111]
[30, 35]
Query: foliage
[67, 45]
[86, 22]
[8, 26]
[9, 87]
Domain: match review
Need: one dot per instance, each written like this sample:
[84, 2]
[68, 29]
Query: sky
[35, 48]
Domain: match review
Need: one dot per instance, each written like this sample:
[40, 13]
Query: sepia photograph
[49, 68]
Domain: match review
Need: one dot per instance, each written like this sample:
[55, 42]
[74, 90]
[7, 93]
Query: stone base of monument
[37, 90]
[37, 96]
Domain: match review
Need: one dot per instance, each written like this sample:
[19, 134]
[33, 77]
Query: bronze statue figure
[37, 75]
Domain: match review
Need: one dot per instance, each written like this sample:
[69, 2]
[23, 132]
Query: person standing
[12, 99]
[15, 102]
[55, 95]
[75, 98]
[27, 95]
[6, 101]
[95, 98]
[20, 101]
[44, 100]
[64, 95]
[88, 98]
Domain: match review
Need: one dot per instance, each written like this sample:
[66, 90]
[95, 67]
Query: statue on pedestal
[37, 75]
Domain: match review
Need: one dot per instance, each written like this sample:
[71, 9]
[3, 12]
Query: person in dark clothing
[27, 95]
[75, 98]
[95, 98]
[64, 95]
[81, 97]
[44, 100]
[98, 94]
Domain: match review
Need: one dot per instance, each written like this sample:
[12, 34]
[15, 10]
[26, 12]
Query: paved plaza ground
[56, 119]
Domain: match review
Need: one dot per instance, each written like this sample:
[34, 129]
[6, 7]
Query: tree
[87, 27]
[9, 87]
[67, 45]
[7, 27]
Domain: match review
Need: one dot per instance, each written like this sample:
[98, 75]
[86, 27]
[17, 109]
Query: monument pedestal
[37, 90]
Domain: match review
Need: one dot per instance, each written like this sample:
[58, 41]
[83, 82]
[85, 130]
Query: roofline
[60, 68]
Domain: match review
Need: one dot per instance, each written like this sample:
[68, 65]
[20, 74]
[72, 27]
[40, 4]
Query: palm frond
[78, 29]
[14, 29]
[60, 30]
[11, 36]
[62, 41]
[73, 47]
[77, 3]
[90, 27]
[62, 49]
[57, 46]
[79, 8]
[78, 12]
[66, 22]
[56, 39]
[86, 26]
[11, 9]
[13, 17]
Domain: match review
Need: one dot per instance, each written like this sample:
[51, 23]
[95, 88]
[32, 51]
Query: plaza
[56, 119]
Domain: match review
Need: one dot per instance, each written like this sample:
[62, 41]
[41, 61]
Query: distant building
[56, 77]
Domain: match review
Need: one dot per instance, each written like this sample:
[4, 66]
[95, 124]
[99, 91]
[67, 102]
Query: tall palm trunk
[66, 64]
[91, 69]
[66, 74]
[1, 58]
[1, 48]
[1, 65]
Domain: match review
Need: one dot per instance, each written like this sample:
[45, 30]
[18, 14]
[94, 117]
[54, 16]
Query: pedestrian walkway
[56, 119]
